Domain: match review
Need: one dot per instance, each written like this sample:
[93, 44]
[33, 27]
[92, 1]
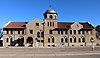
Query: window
[53, 23]
[74, 31]
[66, 32]
[42, 34]
[87, 32]
[42, 41]
[7, 31]
[38, 40]
[75, 40]
[55, 17]
[70, 31]
[37, 24]
[53, 45]
[50, 16]
[7, 40]
[61, 32]
[62, 40]
[18, 31]
[38, 34]
[58, 32]
[11, 40]
[48, 40]
[71, 40]
[52, 40]
[48, 23]
[50, 31]
[48, 45]
[79, 40]
[11, 31]
[83, 32]
[79, 32]
[22, 31]
[66, 40]
[31, 31]
[83, 39]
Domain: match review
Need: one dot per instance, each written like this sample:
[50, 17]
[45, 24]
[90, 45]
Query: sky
[68, 10]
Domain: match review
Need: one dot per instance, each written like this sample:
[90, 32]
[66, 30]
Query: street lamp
[92, 41]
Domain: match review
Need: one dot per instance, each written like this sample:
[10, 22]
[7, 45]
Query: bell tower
[50, 14]
[50, 18]
[50, 23]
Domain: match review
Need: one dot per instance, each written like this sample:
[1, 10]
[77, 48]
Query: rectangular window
[87, 32]
[48, 23]
[61, 32]
[22, 31]
[50, 31]
[66, 32]
[58, 32]
[37, 24]
[74, 31]
[70, 31]
[42, 34]
[83, 32]
[71, 40]
[53, 23]
[7, 31]
[79, 32]
[18, 31]
[31, 31]
[11, 31]
[42, 41]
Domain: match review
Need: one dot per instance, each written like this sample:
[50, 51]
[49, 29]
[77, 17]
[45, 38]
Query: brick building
[49, 33]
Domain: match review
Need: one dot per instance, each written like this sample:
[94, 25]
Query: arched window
[62, 40]
[71, 40]
[38, 34]
[52, 40]
[11, 40]
[48, 40]
[42, 34]
[7, 40]
[83, 39]
[75, 40]
[50, 16]
[79, 40]
[55, 17]
[66, 40]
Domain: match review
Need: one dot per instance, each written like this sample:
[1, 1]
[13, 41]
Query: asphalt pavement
[69, 52]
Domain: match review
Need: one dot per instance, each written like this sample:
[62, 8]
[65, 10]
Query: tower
[50, 18]
[50, 23]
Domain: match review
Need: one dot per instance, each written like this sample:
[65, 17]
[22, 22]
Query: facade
[48, 33]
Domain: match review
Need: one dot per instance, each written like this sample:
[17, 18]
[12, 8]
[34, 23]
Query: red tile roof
[61, 25]
[16, 25]
[66, 25]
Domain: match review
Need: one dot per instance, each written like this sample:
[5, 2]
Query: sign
[61, 43]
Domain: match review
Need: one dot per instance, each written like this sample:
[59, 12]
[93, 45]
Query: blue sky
[68, 10]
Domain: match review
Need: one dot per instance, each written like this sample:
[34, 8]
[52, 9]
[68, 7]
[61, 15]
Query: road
[70, 52]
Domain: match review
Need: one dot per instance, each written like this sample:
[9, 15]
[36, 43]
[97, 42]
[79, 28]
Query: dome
[50, 11]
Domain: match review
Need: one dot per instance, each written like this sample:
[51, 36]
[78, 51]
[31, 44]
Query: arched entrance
[21, 41]
[29, 41]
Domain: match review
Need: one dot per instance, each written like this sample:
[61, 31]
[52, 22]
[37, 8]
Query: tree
[98, 28]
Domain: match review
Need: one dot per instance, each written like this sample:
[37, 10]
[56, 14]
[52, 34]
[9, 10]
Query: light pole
[92, 41]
